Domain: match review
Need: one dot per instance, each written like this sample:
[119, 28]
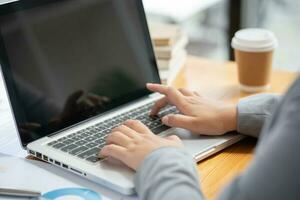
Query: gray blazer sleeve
[274, 171]
[168, 174]
[253, 111]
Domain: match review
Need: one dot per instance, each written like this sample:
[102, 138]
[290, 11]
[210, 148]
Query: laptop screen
[68, 61]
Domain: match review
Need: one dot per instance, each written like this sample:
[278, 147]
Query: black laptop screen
[67, 61]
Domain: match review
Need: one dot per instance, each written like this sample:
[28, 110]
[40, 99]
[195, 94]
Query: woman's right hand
[199, 114]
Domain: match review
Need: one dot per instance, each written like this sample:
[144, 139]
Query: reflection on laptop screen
[74, 59]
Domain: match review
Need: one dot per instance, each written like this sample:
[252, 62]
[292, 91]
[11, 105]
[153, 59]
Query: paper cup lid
[254, 40]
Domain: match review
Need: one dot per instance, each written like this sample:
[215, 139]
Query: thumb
[179, 121]
[174, 138]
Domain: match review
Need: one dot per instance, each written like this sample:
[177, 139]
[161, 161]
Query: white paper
[38, 176]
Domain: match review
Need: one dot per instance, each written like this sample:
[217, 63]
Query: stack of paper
[169, 45]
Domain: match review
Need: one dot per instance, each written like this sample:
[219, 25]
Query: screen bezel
[15, 104]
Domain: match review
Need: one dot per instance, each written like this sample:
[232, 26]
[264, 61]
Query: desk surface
[218, 79]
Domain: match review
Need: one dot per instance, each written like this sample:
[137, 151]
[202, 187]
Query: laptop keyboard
[87, 143]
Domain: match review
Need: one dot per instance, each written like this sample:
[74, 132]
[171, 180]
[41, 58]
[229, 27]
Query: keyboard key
[80, 142]
[105, 132]
[99, 141]
[88, 153]
[52, 143]
[76, 138]
[85, 134]
[68, 142]
[98, 135]
[78, 150]
[160, 129]
[91, 145]
[89, 139]
[153, 125]
[141, 117]
[59, 145]
[61, 139]
[68, 148]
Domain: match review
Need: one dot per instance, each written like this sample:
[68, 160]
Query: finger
[173, 138]
[114, 151]
[118, 138]
[163, 89]
[173, 95]
[156, 88]
[126, 131]
[186, 92]
[137, 126]
[180, 121]
[158, 106]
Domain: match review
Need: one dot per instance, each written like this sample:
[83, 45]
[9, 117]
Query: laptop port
[38, 155]
[51, 160]
[45, 158]
[57, 163]
[31, 152]
[65, 166]
[77, 171]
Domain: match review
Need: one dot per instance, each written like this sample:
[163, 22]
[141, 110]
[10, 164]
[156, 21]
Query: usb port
[45, 158]
[65, 166]
[57, 163]
[31, 152]
[51, 160]
[39, 155]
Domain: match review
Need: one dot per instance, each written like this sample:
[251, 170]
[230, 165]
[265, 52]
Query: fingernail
[151, 113]
[165, 120]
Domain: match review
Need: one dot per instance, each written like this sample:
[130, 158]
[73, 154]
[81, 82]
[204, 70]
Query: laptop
[74, 70]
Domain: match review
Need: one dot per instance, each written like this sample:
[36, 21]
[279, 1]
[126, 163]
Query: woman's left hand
[132, 142]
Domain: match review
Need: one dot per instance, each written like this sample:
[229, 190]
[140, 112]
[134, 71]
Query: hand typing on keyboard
[133, 141]
[199, 114]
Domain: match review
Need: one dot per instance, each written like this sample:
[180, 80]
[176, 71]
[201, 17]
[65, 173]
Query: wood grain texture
[218, 79]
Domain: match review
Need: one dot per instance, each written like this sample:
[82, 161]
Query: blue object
[86, 194]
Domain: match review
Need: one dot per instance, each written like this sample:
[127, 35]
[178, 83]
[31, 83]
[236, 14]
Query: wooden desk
[219, 80]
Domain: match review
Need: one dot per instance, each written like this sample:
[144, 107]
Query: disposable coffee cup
[253, 50]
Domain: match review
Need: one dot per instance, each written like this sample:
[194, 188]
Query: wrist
[229, 118]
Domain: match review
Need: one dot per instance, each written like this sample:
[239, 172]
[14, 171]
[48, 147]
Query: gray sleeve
[274, 171]
[168, 173]
[253, 112]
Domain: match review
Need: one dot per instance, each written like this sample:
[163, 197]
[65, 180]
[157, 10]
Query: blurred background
[210, 24]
